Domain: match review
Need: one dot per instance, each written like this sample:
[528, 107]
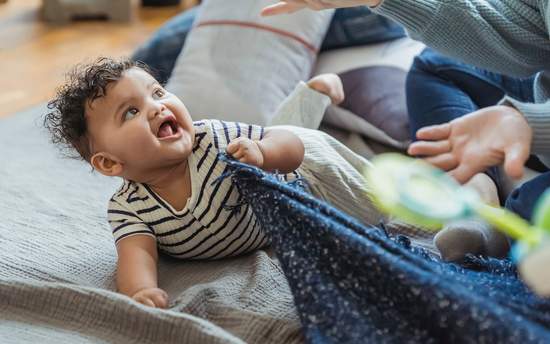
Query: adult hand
[472, 143]
[153, 297]
[290, 6]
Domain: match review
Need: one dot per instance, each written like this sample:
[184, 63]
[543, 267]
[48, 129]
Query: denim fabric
[440, 89]
[359, 26]
[523, 199]
[353, 284]
[349, 27]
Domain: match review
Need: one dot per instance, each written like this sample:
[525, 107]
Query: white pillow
[238, 66]
[398, 53]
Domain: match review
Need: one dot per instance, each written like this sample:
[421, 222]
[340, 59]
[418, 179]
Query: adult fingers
[434, 132]
[281, 7]
[463, 172]
[514, 160]
[429, 148]
[314, 5]
[445, 161]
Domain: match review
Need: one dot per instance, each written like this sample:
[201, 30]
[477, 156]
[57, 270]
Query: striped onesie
[208, 227]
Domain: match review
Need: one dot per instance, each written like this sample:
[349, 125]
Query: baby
[125, 124]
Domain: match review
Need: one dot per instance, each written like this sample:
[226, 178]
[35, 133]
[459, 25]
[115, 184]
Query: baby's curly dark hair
[85, 83]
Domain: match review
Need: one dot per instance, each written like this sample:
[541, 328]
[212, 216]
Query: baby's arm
[279, 150]
[137, 271]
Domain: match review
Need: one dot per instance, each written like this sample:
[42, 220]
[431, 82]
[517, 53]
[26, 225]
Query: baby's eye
[159, 93]
[130, 113]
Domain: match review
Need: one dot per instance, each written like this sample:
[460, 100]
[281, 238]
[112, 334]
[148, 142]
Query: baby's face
[140, 125]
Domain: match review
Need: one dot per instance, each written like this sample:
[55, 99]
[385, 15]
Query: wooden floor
[35, 55]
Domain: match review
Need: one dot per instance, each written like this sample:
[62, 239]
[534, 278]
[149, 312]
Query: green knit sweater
[506, 36]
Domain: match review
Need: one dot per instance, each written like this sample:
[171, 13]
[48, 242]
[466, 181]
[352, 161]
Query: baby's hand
[246, 150]
[329, 84]
[154, 297]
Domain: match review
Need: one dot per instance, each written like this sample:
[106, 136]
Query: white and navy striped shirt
[206, 228]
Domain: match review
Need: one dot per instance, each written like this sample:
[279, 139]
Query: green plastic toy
[423, 195]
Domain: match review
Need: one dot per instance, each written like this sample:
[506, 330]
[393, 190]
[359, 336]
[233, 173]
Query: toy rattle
[423, 195]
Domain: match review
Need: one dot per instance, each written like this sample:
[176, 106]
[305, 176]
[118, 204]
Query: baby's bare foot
[329, 84]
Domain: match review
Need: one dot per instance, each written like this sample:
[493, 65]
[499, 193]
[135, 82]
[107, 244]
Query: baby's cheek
[136, 145]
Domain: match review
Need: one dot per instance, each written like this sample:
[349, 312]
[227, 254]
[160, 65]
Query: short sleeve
[224, 132]
[125, 223]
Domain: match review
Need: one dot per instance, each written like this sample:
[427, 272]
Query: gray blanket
[58, 263]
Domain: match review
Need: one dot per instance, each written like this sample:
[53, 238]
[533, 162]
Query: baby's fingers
[233, 146]
[239, 154]
[160, 300]
[145, 301]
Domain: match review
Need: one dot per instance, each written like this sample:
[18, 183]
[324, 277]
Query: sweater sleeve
[538, 117]
[507, 36]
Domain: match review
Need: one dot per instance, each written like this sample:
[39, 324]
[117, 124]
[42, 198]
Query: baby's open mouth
[168, 128]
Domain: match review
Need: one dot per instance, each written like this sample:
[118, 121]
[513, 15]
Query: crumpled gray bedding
[58, 263]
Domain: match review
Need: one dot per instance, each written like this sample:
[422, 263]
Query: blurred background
[35, 53]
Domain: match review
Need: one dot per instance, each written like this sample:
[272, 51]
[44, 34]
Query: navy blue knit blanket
[353, 284]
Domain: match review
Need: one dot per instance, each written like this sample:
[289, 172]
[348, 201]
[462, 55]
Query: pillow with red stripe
[238, 66]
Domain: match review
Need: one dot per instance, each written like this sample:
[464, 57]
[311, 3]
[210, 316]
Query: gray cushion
[377, 95]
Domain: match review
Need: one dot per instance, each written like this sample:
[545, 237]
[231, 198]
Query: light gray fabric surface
[58, 263]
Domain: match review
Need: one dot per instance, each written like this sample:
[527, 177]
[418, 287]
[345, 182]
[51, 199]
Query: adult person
[506, 36]
[440, 89]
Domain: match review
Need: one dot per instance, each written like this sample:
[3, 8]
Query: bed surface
[58, 264]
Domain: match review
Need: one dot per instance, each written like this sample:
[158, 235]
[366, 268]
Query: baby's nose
[158, 109]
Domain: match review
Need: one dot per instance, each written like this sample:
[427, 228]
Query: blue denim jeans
[440, 89]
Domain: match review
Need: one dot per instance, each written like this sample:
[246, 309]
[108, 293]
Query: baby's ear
[106, 164]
